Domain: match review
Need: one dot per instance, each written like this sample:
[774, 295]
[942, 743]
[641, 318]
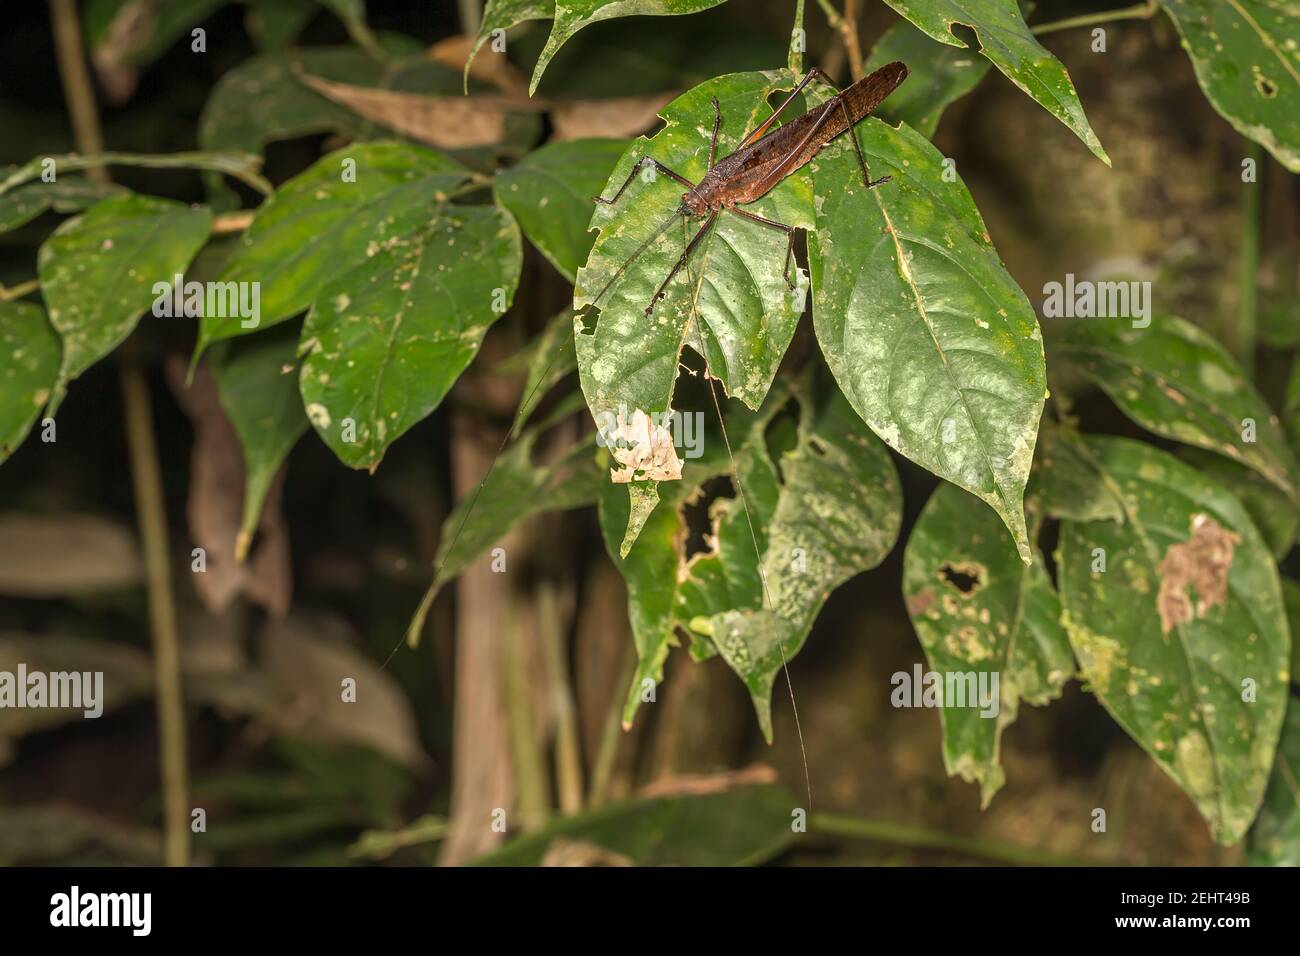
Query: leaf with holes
[256, 384]
[332, 218]
[98, 272]
[990, 627]
[386, 340]
[29, 364]
[731, 303]
[1177, 620]
[929, 337]
[827, 510]
[938, 76]
[1006, 41]
[1247, 59]
[1274, 512]
[1176, 381]
[550, 193]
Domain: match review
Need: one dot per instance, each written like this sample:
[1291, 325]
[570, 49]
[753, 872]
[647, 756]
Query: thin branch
[568, 758]
[1251, 202]
[1140, 11]
[919, 838]
[146, 478]
[847, 25]
[9, 293]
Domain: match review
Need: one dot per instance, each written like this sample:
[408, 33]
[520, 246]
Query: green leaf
[730, 303]
[319, 225]
[29, 364]
[1177, 381]
[1275, 514]
[1248, 63]
[502, 15]
[514, 490]
[388, 338]
[1006, 41]
[550, 193]
[837, 514]
[979, 610]
[742, 826]
[98, 273]
[929, 337]
[1187, 611]
[150, 28]
[1064, 482]
[1291, 597]
[1275, 837]
[20, 206]
[937, 76]
[275, 24]
[242, 166]
[572, 15]
[257, 388]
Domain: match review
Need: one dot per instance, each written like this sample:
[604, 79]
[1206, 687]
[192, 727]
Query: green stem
[1251, 203]
[1139, 11]
[902, 834]
[146, 477]
[602, 770]
[18, 291]
[796, 56]
[243, 166]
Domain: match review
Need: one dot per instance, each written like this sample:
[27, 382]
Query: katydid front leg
[637, 167]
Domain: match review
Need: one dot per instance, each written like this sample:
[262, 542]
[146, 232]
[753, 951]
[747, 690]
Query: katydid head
[693, 205]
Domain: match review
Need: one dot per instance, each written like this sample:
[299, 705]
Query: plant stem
[795, 61]
[847, 25]
[77, 89]
[1139, 11]
[902, 834]
[18, 291]
[603, 769]
[471, 17]
[146, 478]
[1251, 204]
[568, 760]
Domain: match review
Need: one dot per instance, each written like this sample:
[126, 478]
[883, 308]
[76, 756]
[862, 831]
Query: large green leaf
[979, 610]
[318, 226]
[388, 338]
[1006, 41]
[731, 303]
[572, 15]
[1247, 59]
[98, 271]
[70, 194]
[929, 337]
[504, 14]
[1064, 482]
[1177, 381]
[515, 490]
[837, 513]
[742, 826]
[1275, 837]
[937, 76]
[257, 387]
[550, 193]
[1274, 511]
[29, 364]
[1183, 637]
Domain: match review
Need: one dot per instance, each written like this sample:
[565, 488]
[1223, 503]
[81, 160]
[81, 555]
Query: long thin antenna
[637, 255]
[758, 556]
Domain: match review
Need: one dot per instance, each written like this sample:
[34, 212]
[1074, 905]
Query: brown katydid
[762, 160]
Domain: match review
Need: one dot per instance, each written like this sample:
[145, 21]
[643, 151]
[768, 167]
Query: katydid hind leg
[789, 239]
[857, 148]
[767, 123]
[717, 125]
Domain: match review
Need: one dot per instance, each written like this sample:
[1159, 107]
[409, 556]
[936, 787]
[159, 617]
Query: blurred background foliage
[284, 775]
